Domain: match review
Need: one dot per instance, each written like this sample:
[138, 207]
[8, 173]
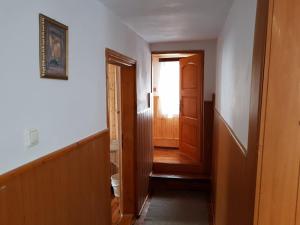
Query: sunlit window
[168, 89]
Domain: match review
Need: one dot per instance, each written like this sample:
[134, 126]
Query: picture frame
[53, 48]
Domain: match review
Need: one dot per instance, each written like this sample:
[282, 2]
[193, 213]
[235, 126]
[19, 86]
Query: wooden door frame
[127, 207]
[199, 52]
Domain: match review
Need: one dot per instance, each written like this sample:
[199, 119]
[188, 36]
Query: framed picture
[53, 49]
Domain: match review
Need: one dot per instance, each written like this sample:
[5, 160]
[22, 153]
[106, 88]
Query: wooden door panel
[191, 73]
[191, 151]
[190, 134]
[191, 107]
[128, 110]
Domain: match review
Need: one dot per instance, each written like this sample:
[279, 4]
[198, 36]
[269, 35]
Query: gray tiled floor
[178, 208]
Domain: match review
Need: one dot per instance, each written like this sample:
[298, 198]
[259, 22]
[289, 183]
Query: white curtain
[168, 89]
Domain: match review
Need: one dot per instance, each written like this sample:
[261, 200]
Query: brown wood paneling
[208, 134]
[70, 186]
[278, 198]
[258, 66]
[129, 136]
[165, 130]
[229, 184]
[144, 156]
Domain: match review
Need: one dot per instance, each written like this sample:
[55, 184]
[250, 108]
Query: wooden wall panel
[128, 153]
[70, 186]
[278, 198]
[229, 171]
[165, 130]
[208, 134]
[144, 155]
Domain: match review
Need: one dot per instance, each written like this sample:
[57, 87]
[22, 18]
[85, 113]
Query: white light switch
[31, 137]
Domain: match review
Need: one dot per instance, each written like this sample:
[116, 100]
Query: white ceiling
[172, 20]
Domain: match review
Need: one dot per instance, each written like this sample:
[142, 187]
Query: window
[168, 89]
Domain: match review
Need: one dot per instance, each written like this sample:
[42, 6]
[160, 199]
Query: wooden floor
[115, 209]
[127, 220]
[171, 156]
[117, 218]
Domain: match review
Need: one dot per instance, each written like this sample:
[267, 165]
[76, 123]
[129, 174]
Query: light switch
[31, 137]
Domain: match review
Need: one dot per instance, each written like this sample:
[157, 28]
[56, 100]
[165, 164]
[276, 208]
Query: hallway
[177, 207]
[162, 112]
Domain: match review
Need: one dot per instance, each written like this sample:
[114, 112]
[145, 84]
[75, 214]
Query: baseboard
[143, 205]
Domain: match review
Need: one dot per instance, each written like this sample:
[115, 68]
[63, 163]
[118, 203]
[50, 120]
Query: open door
[123, 108]
[191, 107]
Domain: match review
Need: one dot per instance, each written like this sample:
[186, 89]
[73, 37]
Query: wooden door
[191, 106]
[279, 194]
[129, 112]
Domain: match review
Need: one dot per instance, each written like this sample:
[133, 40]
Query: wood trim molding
[260, 52]
[144, 205]
[267, 7]
[114, 57]
[40, 161]
[232, 133]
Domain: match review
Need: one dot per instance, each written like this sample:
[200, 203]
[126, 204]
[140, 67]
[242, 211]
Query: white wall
[234, 67]
[209, 46]
[62, 111]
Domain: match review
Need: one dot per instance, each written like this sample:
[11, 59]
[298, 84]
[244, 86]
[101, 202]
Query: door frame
[199, 52]
[128, 176]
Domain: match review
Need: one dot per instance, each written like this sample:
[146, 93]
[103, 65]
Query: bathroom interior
[114, 115]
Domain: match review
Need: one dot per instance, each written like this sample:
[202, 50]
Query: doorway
[121, 121]
[178, 122]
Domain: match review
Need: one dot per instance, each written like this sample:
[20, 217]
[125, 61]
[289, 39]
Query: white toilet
[115, 183]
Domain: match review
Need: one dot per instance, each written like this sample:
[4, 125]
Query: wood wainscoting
[70, 186]
[229, 181]
[144, 156]
[208, 133]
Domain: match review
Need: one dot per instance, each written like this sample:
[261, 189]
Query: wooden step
[171, 168]
[183, 176]
[180, 181]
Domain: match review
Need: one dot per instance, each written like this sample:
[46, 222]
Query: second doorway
[178, 124]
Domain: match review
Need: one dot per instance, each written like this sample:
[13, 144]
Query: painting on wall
[53, 49]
